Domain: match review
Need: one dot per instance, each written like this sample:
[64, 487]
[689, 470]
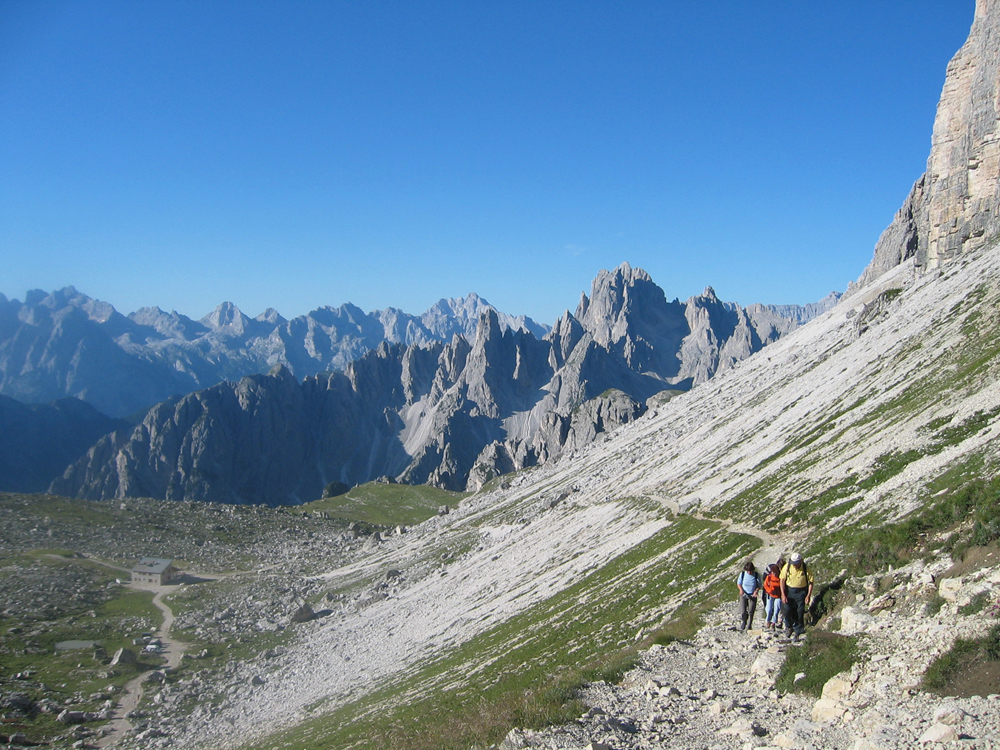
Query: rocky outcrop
[453, 415]
[954, 208]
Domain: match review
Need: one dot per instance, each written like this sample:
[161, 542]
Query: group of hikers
[786, 588]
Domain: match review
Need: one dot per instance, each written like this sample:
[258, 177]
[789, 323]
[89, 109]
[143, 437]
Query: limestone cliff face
[954, 207]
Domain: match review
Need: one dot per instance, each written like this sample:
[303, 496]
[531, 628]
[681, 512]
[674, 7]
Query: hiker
[772, 600]
[796, 594]
[778, 567]
[748, 582]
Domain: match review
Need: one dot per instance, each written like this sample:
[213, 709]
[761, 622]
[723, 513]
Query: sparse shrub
[991, 644]
[978, 500]
[335, 489]
[934, 606]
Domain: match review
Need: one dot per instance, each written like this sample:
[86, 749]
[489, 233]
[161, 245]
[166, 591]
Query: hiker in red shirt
[772, 600]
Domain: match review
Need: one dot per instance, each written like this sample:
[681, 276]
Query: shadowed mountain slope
[37, 442]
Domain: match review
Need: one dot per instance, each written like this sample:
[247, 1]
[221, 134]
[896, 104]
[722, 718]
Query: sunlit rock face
[954, 207]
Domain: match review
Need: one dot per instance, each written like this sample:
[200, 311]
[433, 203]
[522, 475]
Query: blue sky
[298, 154]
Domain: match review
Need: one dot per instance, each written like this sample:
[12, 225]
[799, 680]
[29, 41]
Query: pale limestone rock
[854, 621]
[950, 588]
[827, 710]
[953, 208]
[838, 687]
[744, 728]
[949, 714]
[766, 665]
[939, 733]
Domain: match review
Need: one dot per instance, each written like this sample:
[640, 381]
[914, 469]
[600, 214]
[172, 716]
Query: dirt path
[771, 548]
[172, 649]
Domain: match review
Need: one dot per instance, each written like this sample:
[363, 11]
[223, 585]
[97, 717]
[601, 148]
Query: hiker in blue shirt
[749, 584]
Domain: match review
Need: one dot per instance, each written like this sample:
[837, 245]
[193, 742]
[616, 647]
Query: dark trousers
[748, 605]
[794, 610]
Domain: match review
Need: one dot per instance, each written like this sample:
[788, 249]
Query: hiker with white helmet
[796, 594]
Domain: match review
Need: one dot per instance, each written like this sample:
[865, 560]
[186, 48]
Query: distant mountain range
[64, 343]
[453, 397]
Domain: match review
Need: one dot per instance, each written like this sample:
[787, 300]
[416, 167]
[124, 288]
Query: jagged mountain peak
[60, 299]
[226, 318]
[272, 316]
[708, 295]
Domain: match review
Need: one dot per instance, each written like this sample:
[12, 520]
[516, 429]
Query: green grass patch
[83, 675]
[970, 508]
[386, 504]
[821, 657]
[934, 606]
[968, 662]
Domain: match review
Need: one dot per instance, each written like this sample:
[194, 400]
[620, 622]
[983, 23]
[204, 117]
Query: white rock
[766, 665]
[827, 710]
[853, 621]
[949, 714]
[949, 588]
[745, 728]
[939, 733]
[838, 687]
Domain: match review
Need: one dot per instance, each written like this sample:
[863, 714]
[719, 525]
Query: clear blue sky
[298, 154]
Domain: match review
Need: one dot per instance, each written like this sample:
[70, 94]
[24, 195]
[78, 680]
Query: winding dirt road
[172, 649]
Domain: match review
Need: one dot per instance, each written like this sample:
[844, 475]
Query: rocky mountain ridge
[455, 414]
[38, 441]
[64, 343]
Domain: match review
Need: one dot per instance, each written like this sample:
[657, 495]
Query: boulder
[949, 588]
[304, 613]
[939, 733]
[123, 656]
[838, 687]
[949, 714]
[745, 728]
[827, 710]
[854, 621]
[71, 717]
